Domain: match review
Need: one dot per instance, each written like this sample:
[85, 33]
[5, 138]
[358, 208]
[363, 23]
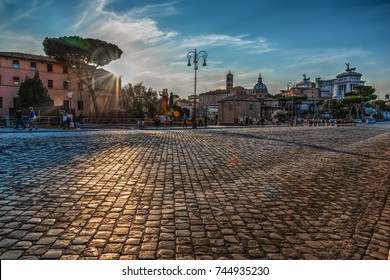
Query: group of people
[31, 120]
[248, 120]
[67, 120]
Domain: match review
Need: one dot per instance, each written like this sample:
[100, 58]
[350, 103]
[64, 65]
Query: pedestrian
[64, 119]
[69, 119]
[140, 123]
[19, 121]
[31, 119]
[170, 121]
[200, 119]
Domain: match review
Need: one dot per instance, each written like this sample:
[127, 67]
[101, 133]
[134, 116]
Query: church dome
[260, 87]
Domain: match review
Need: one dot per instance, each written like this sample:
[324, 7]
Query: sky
[281, 39]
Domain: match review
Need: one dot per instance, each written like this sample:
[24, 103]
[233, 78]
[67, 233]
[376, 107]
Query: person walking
[19, 121]
[69, 120]
[32, 119]
[64, 119]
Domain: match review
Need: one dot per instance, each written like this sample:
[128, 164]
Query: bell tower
[229, 81]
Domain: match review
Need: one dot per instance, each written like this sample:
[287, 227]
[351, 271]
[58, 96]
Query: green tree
[353, 102]
[171, 100]
[379, 106]
[32, 93]
[139, 101]
[335, 108]
[358, 98]
[83, 56]
[365, 91]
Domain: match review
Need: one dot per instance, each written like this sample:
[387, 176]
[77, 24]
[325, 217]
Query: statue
[305, 79]
[349, 69]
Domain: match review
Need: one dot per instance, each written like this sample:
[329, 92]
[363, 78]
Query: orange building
[62, 84]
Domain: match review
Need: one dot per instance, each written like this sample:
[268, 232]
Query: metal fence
[49, 121]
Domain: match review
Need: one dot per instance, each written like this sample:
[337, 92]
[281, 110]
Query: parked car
[370, 120]
[357, 121]
[332, 121]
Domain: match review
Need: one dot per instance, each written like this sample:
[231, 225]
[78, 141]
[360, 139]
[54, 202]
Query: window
[230, 107]
[65, 69]
[1, 102]
[50, 68]
[0, 80]
[33, 66]
[66, 84]
[65, 104]
[16, 81]
[251, 107]
[80, 86]
[15, 64]
[50, 83]
[80, 105]
[387, 96]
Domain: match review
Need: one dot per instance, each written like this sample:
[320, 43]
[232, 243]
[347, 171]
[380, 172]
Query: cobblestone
[227, 193]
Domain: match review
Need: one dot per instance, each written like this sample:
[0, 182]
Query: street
[216, 193]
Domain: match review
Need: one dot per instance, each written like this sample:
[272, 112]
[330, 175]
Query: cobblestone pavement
[230, 193]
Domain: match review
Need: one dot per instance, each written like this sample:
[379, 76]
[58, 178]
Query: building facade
[62, 83]
[344, 83]
[208, 101]
[255, 104]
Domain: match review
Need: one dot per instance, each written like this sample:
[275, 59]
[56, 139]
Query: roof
[216, 92]
[260, 87]
[243, 97]
[348, 74]
[27, 56]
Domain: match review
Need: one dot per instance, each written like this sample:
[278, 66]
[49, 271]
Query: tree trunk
[94, 101]
[357, 110]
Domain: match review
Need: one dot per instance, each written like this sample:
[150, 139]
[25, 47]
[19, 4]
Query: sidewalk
[91, 126]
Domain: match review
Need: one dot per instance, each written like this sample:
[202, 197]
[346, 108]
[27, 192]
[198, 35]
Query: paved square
[229, 193]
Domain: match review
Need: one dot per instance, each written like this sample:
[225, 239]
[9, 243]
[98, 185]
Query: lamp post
[70, 95]
[194, 56]
[80, 103]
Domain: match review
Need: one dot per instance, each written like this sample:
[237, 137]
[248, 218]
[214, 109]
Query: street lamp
[70, 95]
[194, 56]
[80, 104]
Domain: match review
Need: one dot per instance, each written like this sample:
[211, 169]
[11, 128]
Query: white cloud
[165, 9]
[240, 42]
[158, 57]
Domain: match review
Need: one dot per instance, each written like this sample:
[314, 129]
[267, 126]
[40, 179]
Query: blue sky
[281, 39]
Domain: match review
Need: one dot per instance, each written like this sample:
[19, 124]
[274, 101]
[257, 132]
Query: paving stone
[256, 253]
[7, 243]
[52, 254]
[147, 255]
[11, 255]
[23, 245]
[120, 198]
[109, 256]
[231, 239]
[167, 245]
